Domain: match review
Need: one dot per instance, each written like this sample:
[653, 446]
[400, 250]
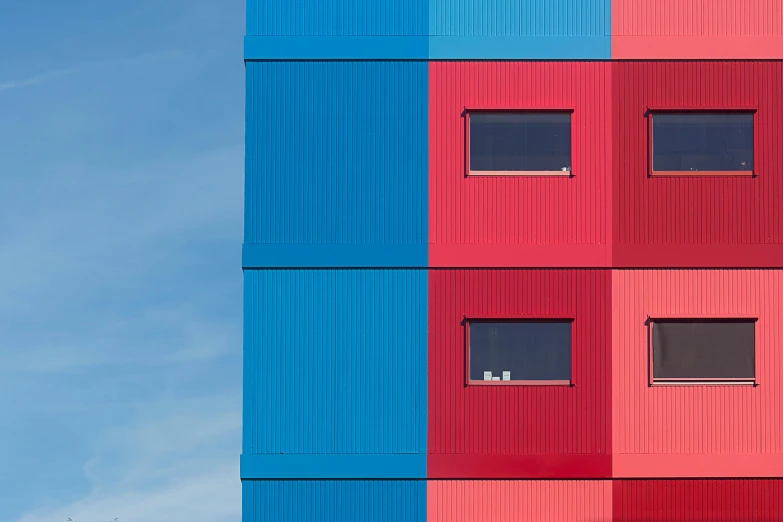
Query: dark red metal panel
[519, 431]
[696, 221]
[513, 221]
[724, 500]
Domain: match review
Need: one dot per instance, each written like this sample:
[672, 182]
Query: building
[513, 261]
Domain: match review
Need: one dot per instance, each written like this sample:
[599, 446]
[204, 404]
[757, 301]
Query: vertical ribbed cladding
[337, 17]
[518, 210]
[337, 153]
[519, 420]
[336, 361]
[514, 18]
[726, 428]
[697, 18]
[743, 500]
[694, 210]
[519, 501]
[334, 500]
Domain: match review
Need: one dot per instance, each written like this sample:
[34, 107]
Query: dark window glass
[520, 141]
[688, 349]
[702, 142]
[528, 351]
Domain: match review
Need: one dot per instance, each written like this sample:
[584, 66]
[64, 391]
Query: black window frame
[652, 112]
[519, 173]
[705, 381]
[504, 319]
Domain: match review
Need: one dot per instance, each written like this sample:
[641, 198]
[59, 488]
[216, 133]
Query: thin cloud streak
[38, 79]
[50, 76]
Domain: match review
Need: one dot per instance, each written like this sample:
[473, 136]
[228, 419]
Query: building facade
[513, 261]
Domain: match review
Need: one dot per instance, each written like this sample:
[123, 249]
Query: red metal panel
[743, 500]
[697, 221]
[519, 501]
[695, 430]
[519, 431]
[697, 29]
[520, 221]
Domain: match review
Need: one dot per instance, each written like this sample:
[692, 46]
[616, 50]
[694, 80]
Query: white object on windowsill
[487, 376]
[506, 375]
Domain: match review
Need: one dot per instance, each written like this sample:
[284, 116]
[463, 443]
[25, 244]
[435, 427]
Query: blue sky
[121, 167]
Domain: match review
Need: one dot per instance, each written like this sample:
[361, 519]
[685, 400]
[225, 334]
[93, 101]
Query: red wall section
[519, 431]
[696, 431]
[741, 500]
[519, 501]
[691, 221]
[520, 221]
[697, 29]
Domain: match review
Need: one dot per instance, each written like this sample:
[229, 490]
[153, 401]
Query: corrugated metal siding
[337, 361]
[336, 152]
[520, 210]
[514, 18]
[697, 210]
[745, 500]
[697, 18]
[337, 17]
[533, 420]
[695, 419]
[334, 501]
[519, 501]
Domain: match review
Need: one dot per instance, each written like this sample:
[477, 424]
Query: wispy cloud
[38, 78]
[161, 467]
[49, 76]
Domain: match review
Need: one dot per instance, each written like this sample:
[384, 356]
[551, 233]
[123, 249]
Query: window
[702, 350]
[702, 143]
[519, 143]
[519, 351]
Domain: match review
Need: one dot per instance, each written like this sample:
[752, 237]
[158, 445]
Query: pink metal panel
[695, 430]
[744, 500]
[519, 501]
[520, 221]
[731, 222]
[697, 29]
[519, 431]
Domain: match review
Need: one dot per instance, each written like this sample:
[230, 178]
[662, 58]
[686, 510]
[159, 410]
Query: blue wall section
[520, 18]
[336, 152]
[335, 362]
[334, 501]
[513, 29]
[337, 17]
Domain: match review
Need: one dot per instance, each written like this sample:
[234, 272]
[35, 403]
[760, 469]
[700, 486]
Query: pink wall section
[695, 431]
[520, 221]
[697, 29]
[519, 501]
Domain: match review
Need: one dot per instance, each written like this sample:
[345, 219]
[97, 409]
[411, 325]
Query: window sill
[520, 383]
[702, 173]
[525, 173]
[705, 382]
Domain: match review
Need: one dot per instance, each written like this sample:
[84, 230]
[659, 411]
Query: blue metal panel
[255, 255]
[335, 362]
[337, 17]
[544, 29]
[336, 47]
[334, 501]
[520, 47]
[320, 466]
[515, 18]
[337, 153]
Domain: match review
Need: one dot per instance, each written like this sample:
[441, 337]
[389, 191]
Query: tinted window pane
[704, 350]
[515, 141]
[699, 142]
[528, 350]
